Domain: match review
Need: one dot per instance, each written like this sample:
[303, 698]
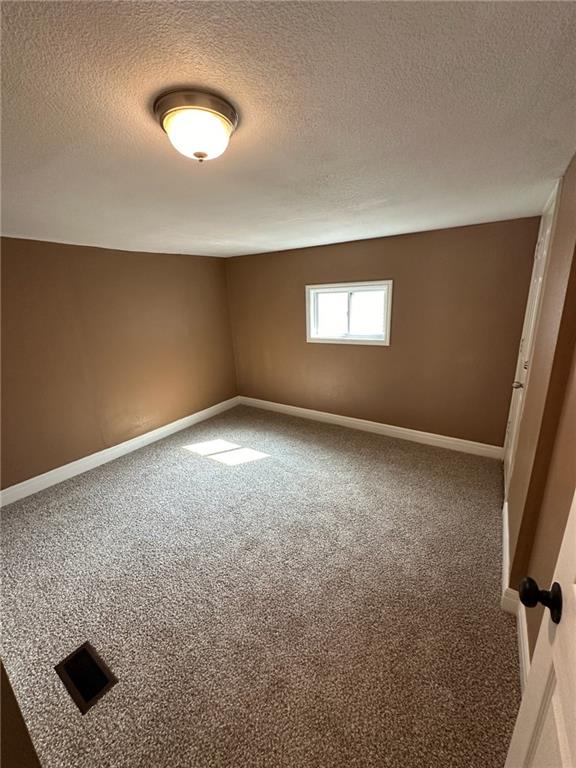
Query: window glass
[367, 313]
[332, 314]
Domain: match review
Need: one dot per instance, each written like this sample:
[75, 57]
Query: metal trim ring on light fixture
[173, 100]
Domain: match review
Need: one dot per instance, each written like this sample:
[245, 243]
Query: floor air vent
[86, 677]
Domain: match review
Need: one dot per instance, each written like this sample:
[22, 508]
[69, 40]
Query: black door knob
[531, 595]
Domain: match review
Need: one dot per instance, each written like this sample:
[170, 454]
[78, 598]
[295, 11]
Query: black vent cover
[86, 677]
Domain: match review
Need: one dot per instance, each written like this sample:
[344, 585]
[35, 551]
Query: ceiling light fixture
[198, 124]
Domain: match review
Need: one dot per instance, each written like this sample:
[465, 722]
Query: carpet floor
[334, 603]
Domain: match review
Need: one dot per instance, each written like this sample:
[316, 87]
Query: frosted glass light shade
[199, 124]
[198, 133]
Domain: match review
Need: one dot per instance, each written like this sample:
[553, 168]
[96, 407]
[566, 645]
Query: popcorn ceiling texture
[357, 120]
[335, 604]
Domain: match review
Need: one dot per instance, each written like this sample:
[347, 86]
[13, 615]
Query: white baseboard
[403, 433]
[54, 476]
[523, 645]
[505, 557]
[510, 602]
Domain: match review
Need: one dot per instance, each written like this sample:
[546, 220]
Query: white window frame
[312, 307]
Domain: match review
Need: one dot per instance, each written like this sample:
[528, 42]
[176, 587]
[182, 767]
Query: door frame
[530, 325]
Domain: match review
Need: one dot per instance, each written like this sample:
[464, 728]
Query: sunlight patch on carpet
[240, 456]
[211, 446]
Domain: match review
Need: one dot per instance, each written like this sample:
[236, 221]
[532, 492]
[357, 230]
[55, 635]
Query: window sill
[365, 342]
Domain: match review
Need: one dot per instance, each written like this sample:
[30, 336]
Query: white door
[527, 340]
[545, 731]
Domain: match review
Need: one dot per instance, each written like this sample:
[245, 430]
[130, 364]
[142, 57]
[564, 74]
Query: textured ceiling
[357, 119]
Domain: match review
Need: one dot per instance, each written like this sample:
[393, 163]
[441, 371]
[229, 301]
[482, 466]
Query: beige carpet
[335, 603]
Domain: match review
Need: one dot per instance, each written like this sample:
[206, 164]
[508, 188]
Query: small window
[349, 313]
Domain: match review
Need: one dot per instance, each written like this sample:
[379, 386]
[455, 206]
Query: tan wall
[545, 386]
[100, 346]
[459, 298]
